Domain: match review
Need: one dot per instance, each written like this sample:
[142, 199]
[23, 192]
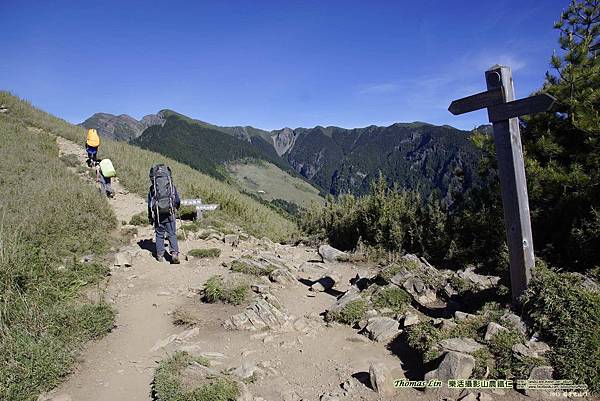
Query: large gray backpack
[162, 189]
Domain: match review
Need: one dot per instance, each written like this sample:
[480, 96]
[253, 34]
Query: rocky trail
[278, 344]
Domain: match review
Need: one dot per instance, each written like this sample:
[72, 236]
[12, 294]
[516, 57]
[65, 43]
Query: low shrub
[568, 316]
[139, 219]
[229, 291]
[350, 314]
[394, 298]
[205, 252]
[240, 266]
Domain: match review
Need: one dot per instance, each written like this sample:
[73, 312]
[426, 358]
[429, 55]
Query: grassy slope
[276, 183]
[132, 165]
[49, 218]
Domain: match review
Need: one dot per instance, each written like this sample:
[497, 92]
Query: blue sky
[271, 64]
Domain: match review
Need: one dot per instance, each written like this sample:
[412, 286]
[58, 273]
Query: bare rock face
[352, 294]
[282, 276]
[266, 312]
[455, 365]
[283, 140]
[382, 329]
[533, 349]
[330, 254]
[540, 373]
[478, 280]
[421, 292]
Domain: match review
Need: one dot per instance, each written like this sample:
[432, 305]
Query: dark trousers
[166, 224]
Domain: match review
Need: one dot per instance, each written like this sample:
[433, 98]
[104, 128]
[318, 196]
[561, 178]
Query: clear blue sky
[271, 64]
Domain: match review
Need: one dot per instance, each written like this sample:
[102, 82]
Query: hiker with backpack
[104, 174]
[163, 200]
[91, 146]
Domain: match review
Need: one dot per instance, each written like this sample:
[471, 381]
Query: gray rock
[420, 292]
[479, 280]
[532, 349]
[328, 397]
[514, 321]
[123, 259]
[265, 312]
[492, 330]
[484, 397]
[455, 365]
[352, 294]
[330, 254]
[469, 397]
[231, 239]
[260, 288]
[282, 276]
[448, 324]
[410, 319]
[380, 379]
[382, 329]
[458, 315]
[540, 373]
[247, 370]
[460, 344]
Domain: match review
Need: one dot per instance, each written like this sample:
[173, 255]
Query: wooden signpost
[503, 113]
[200, 207]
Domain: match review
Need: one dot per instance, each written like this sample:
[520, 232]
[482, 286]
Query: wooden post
[511, 170]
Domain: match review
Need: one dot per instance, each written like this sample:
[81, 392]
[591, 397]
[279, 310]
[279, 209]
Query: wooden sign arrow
[516, 108]
[477, 101]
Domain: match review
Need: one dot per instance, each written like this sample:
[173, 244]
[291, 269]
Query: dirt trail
[311, 362]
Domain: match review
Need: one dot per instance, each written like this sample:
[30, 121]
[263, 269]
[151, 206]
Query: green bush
[70, 160]
[241, 266]
[568, 317]
[393, 219]
[231, 291]
[48, 222]
[168, 385]
[393, 297]
[205, 252]
[350, 314]
[139, 219]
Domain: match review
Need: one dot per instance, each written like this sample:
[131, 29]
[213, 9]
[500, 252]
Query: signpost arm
[511, 170]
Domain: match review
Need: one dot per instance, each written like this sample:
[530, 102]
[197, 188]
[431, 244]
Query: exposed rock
[420, 292]
[231, 239]
[181, 337]
[245, 394]
[382, 329]
[123, 259]
[469, 397]
[540, 373]
[265, 312]
[532, 349]
[460, 344]
[484, 397]
[515, 321]
[328, 397]
[330, 254]
[410, 319]
[282, 276]
[260, 288]
[247, 370]
[479, 280]
[351, 295]
[455, 365]
[447, 324]
[492, 330]
[380, 379]
[458, 315]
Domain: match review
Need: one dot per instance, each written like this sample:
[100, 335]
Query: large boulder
[382, 329]
[455, 365]
[531, 349]
[421, 292]
[330, 254]
[540, 373]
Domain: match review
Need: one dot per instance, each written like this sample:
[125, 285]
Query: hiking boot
[160, 258]
[175, 259]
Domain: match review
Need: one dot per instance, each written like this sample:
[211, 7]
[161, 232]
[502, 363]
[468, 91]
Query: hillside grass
[49, 218]
[275, 183]
[133, 164]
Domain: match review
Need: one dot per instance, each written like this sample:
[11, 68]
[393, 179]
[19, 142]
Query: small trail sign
[503, 111]
[200, 207]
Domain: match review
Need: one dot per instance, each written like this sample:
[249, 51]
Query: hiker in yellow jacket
[91, 146]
